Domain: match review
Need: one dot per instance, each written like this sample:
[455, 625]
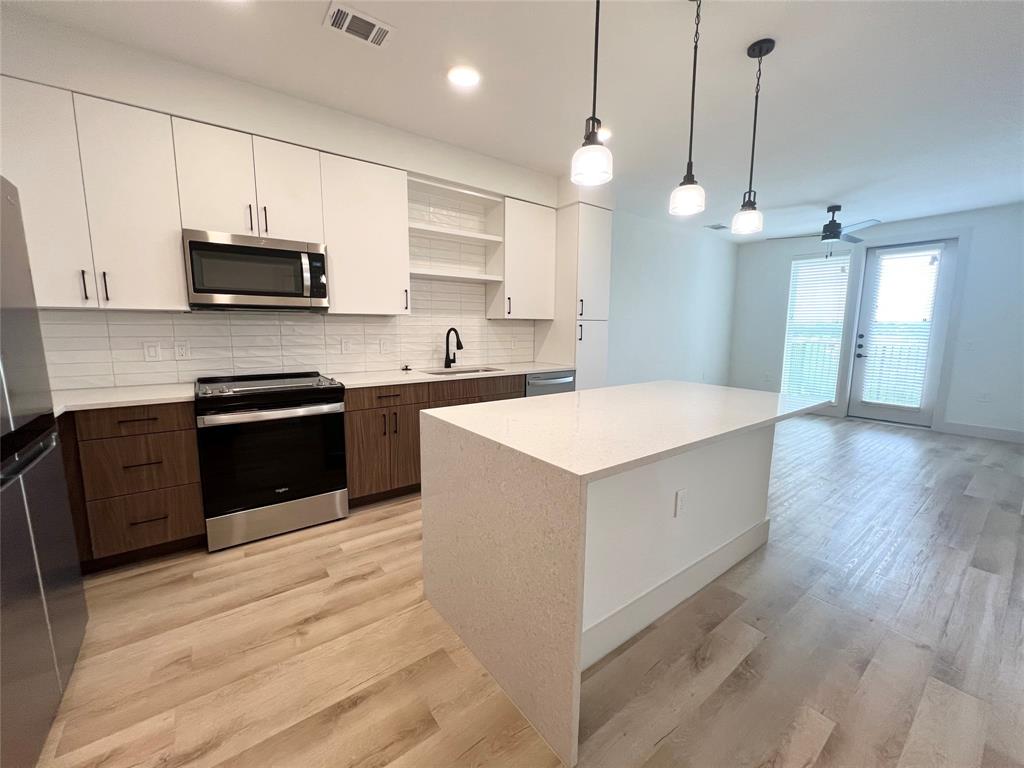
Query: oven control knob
[224, 390]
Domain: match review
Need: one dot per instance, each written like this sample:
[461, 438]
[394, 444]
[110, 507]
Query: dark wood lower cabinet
[405, 446]
[368, 451]
[126, 523]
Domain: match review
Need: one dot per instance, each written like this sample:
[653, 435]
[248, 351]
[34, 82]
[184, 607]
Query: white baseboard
[609, 633]
[973, 430]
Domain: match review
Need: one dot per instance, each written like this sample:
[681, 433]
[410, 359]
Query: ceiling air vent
[715, 226]
[357, 24]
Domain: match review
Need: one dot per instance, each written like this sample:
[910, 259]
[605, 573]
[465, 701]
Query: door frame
[962, 236]
[945, 280]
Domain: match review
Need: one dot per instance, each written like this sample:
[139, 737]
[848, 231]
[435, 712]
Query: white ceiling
[894, 109]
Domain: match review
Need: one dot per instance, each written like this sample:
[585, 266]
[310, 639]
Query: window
[814, 326]
[900, 326]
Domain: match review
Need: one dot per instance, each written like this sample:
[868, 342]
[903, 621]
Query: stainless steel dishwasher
[549, 383]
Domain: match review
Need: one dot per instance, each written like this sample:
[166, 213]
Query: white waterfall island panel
[552, 532]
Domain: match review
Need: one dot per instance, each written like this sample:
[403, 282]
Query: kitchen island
[556, 528]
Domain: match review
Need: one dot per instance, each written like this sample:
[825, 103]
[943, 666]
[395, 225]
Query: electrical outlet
[151, 351]
[386, 345]
[182, 350]
[346, 346]
[680, 502]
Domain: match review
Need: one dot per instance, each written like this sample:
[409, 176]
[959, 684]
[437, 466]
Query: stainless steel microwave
[239, 271]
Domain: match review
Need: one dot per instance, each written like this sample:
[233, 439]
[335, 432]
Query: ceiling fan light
[687, 199]
[747, 221]
[831, 232]
[591, 165]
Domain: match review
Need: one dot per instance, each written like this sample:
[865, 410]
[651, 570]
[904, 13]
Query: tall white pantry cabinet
[578, 334]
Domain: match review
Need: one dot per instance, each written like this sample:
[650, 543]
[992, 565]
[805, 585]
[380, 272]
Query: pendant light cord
[693, 91]
[597, 35]
[753, 140]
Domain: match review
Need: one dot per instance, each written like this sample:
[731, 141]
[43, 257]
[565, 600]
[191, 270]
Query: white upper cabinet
[529, 256]
[216, 178]
[366, 229]
[288, 191]
[40, 157]
[132, 195]
[591, 354]
[595, 263]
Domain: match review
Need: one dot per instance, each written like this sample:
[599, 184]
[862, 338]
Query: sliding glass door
[900, 336]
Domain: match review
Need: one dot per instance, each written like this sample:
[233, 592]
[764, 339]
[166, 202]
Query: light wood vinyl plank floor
[882, 625]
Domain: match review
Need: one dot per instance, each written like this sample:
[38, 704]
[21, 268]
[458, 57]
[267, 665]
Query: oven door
[227, 271]
[258, 458]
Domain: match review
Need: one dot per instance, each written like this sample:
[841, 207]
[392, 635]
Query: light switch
[151, 351]
[680, 502]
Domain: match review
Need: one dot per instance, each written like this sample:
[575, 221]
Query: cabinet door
[288, 191]
[216, 178]
[39, 155]
[368, 451]
[594, 263]
[591, 353]
[132, 191]
[405, 448]
[366, 228]
[529, 261]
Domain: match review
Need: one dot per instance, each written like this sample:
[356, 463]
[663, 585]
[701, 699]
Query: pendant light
[592, 163]
[688, 198]
[748, 220]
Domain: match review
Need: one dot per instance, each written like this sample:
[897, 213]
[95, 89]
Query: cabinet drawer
[134, 420]
[381, 397]
[456, 401]
[120, 465]
[145, 519]
[486, 388]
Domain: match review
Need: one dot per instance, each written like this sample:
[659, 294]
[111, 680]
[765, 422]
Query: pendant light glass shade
[686, 200]
[747, 221]
[591, 165]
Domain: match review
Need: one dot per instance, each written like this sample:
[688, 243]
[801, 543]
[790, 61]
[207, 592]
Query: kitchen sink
[456, 371]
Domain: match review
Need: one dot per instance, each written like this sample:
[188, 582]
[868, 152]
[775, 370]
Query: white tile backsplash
[97, 348]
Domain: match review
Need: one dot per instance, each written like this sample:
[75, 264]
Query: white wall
[671, 302]
[34, 49]
[984, 355]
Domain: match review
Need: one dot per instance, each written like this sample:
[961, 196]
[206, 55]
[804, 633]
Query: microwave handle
[305, 274]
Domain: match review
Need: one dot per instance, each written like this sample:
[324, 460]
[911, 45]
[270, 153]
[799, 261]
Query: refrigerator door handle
[22, 462]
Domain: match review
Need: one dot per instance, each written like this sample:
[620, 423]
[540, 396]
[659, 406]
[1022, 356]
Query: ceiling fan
[834, 231]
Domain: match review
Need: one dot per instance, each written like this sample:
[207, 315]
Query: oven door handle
[305, 274]
[222, 419]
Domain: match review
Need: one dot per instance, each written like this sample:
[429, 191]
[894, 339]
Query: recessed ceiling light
[464, 77]
[604, 133]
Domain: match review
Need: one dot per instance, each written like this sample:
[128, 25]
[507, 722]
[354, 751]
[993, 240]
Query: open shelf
[454, 275]
[450, 233]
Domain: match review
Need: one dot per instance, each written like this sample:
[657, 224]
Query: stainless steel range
[271, 454]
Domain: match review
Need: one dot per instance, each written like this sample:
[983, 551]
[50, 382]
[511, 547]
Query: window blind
[899, 332]
[814, 326]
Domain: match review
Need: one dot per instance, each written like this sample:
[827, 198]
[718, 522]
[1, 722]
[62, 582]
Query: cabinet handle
[132, 421]
[581, 333]
[149, 520]
[394, 416]
[266, 221]
[84, 289]
[381, 397]
[510, 305]
[581, 307]
[143, 464]
[250, 217]
[406, 298]
[384, 418]
[106, 288]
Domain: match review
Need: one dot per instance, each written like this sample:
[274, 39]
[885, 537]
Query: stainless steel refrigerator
[42, 605]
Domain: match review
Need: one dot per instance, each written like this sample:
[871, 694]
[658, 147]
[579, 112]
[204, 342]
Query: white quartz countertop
[598, 432]
[114, 397]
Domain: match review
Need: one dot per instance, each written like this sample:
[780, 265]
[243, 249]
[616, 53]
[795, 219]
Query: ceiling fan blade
[794, 237]
[861, 225]
[851, 238]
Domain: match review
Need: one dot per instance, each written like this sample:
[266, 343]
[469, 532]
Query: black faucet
[449, 358]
